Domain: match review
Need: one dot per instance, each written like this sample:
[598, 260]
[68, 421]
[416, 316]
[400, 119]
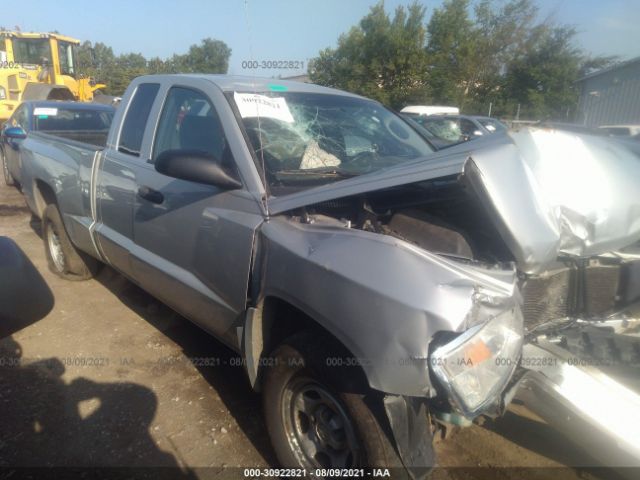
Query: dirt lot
[105, 380]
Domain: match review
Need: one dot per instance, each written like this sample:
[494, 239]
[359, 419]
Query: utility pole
[518, 113]
[490, 105]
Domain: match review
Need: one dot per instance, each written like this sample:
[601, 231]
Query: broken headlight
[476, 366]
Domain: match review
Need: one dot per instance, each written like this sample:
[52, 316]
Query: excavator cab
[40, 66]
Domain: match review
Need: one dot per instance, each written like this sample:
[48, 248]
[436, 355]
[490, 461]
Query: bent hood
[547, 192]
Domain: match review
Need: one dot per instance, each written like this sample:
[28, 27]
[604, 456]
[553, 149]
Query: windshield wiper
[313, 175]
[315, 172]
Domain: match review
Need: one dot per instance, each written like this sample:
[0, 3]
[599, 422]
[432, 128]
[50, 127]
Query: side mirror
[195, 166]
[15, 132]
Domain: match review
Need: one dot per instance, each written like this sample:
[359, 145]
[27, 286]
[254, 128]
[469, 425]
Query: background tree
[454, 53]
[211, 56]
[98, 61]
[542, 76]
[381, 58]
[501, 54]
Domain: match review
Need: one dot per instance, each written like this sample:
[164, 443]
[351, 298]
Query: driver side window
[189, 122]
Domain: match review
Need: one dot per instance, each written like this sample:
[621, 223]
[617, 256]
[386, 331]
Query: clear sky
[279, 29]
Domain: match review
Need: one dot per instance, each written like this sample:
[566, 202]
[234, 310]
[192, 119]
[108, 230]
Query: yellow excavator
[40, 66]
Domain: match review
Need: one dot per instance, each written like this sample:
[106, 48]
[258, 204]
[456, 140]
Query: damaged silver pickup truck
[370, 283]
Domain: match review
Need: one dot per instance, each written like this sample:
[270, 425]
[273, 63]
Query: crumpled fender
[383, 298]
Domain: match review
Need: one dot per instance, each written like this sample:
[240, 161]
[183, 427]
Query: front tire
[9, 181]
[317, 416]
[64, 260]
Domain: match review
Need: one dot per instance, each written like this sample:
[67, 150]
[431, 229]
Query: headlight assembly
[476, 366]
[3, 93]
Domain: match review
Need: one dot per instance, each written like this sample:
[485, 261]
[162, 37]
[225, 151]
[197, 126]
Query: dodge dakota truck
[372, 285]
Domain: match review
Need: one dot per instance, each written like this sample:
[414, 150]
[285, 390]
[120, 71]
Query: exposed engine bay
[442, 216]
[559, 210]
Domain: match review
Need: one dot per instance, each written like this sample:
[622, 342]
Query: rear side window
[135, 120]
[69, 119]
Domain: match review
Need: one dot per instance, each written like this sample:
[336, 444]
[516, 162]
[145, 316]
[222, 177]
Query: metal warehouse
[611, 96]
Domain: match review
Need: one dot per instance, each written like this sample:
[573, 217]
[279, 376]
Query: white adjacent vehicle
[427, 110]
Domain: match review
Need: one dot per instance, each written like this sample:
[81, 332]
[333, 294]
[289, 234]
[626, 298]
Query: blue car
[83, 122]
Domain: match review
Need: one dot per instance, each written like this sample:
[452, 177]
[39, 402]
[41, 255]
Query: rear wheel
[316, 416]
[8, 178]
[63, 258]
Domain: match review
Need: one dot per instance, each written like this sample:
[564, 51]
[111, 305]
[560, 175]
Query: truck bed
[64, 163]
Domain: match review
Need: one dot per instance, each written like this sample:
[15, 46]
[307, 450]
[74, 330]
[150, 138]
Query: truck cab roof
[239, 83]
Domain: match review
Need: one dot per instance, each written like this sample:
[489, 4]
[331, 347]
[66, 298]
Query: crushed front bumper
[586, 400]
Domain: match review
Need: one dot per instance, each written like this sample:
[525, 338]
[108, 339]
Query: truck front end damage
[435, 273]
[584, 379]
[425, 328]
[580, 263]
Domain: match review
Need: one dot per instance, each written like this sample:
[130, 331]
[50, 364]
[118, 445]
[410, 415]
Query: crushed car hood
[548, 192]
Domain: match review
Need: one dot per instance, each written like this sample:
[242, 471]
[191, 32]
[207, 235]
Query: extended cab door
[114, 177]
[194, 242]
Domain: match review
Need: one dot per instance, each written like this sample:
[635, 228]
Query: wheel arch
[43, 196]
[273, 321]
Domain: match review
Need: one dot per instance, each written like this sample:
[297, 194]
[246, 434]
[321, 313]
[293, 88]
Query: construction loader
[40, 66]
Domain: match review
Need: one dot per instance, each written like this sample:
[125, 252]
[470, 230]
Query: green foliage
[211, 56]
[452, 53]
[381, 58]
[98, 61]
[500, 54]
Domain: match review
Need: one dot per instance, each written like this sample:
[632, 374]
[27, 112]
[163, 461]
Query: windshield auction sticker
[254, 105]
[45, 111]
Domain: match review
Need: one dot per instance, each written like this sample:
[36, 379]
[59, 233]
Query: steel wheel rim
[55, 248]
[318, 428]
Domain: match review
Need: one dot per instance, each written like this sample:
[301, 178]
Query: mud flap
[412, 433]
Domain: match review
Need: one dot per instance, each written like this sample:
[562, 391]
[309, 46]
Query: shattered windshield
[307, 139]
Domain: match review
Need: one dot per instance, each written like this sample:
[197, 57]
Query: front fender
[383, 298]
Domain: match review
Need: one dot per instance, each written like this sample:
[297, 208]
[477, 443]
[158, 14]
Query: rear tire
[64, 260]
[318, 417]
[9, 181]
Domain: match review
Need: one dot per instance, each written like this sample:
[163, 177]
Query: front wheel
[316, 417]
[63, 258]
[8, 178]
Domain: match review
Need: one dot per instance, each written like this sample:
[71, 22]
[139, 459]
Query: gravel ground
[104, 380]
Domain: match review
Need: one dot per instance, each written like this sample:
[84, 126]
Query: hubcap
[319, 430]
[55, 249]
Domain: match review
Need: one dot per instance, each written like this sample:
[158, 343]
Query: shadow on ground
[46, 422]
[228, 377]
